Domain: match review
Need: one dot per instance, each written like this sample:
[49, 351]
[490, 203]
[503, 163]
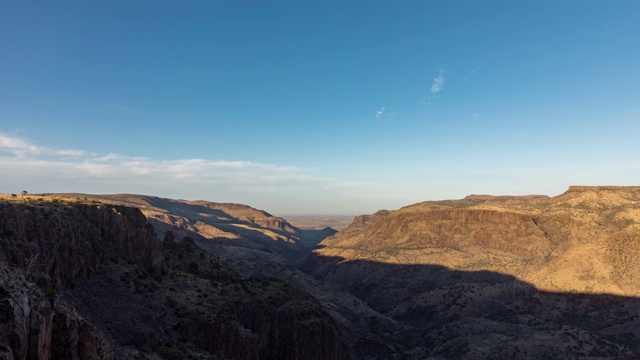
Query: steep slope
[138, 297]
[448, 314]
[550, 242]
[46, 247]
[214, 227]
[447, 269]
[235, 224]
[35, 324]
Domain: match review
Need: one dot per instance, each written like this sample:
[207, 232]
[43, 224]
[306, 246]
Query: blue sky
[318, 107]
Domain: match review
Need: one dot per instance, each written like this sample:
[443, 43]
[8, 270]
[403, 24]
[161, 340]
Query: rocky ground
[497, 277]
[484, 277]
[99, 273]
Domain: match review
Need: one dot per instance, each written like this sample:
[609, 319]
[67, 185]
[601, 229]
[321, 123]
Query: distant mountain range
[484, 277]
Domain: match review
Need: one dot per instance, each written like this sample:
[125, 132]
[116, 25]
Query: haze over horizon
[319, 107]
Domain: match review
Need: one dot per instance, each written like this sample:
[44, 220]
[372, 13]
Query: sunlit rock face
[578, 241]
[551, 274]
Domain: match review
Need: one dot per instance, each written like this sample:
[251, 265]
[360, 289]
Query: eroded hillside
[92, 281]
[497, 277]
[233, 225]
[582, 240]
[482, 277]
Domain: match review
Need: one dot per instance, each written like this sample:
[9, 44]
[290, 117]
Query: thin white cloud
[108, 157]
[475, 115]
[380, 112]
[70, 153]
[55, 170]
[438, 82]
[20, 147]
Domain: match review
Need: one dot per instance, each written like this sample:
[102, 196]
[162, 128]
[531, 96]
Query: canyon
[142, 277]
[82, 280]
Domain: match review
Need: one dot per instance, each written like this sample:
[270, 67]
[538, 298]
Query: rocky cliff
[38, 325]
[234, 223]
[70, 241]
[576, 241]
[46, 247]
[136, 298]
[550, 276]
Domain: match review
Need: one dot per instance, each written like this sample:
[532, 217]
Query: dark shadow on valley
[311, 238]
[249, 239]
[440, 312]
[194, 211]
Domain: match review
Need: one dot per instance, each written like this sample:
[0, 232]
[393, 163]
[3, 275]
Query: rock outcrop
[551, 276]
[48, 246]
[137, 296]
[35, 325]
[235, 223]
[69, 241]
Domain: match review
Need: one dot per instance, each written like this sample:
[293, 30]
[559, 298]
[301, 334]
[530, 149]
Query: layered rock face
[236, 224]
[496, 276]
[135, 299]
[577, 241]
[69, 241]
[482, 277]
[36, 326]
[58, 244]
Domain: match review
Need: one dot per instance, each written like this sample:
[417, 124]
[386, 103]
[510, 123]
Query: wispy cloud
[475, 115]
[70, 153]
[21, 148]
[54, 170]
[20, 154]
[436, 87]
[438, 82]
[17, 146]
[380, 112]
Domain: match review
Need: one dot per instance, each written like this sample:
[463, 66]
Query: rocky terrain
[497, 277]
[579, 241]
[484, 277]
[229, 225]
[84, 280]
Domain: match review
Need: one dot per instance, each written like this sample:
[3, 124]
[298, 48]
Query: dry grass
[584, 240]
